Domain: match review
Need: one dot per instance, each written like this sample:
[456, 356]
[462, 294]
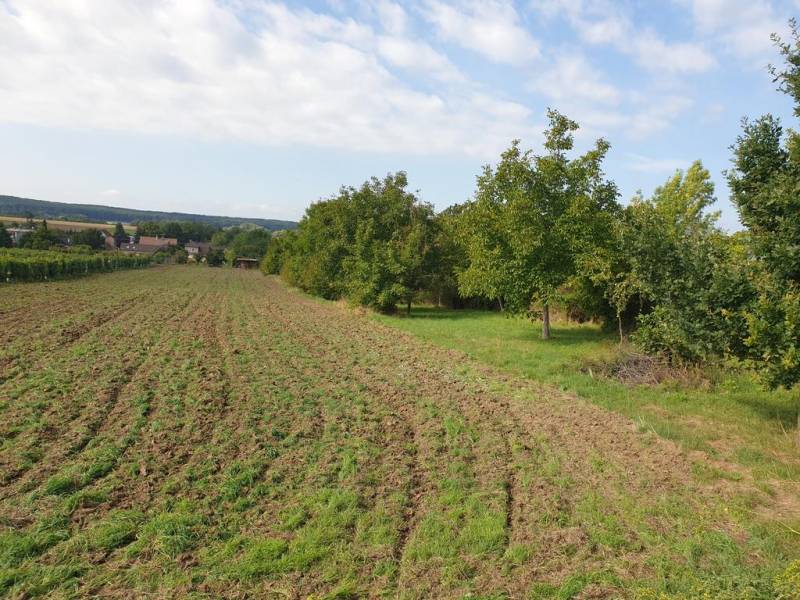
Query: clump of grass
[118, 529]
[169, 533]
[16, 547]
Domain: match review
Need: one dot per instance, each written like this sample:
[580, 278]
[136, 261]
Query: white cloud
[491, 28]
[645, 164]
[111, 193]
[285, 76]
[572, 77]
[657, 115]
[604, 22]
[743, 27]
[654, 53]
[415, 56]
[392, 16]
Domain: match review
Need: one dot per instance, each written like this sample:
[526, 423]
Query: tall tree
[120, 236]
[533, 218]
[764, 182]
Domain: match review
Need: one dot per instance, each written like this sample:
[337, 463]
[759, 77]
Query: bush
[216, 257]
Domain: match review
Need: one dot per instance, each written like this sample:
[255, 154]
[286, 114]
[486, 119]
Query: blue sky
[256, 108]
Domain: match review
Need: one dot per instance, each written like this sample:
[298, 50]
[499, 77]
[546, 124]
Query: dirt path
[215, 433]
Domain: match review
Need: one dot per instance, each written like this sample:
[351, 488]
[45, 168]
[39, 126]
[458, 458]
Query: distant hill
[13, 206]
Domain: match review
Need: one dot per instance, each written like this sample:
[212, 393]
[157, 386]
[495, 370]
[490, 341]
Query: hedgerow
[18, 264]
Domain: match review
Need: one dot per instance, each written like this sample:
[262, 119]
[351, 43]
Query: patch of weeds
[787, 584]
[118, 529]
[16, 547]
[261, 558]
[169, 533]
[239, 477]
[542, 591]
[38, 580]
[97, 463]
[601, 524]
[59, 485]
[517, 555]
[706, 473]
[86, 498]
[349, 464]
[293, 517]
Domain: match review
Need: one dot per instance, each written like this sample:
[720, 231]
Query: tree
[41, 238]
[389, 256]
[88, 237]
[764, 181]
[120, 236]
[670, 270]
[532, 220]
[249, 243]
[448, 256]
[216, 257]
[5, 237]
[279, 251]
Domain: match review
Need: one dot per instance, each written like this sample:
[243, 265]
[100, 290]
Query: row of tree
[183, 231]
[43, 238]
[546, 228]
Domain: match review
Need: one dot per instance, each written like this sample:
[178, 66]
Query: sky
[257, 108]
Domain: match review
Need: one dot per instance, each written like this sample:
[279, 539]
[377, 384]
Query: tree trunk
[408, 308]
[619, 321]
[546, 321]
[500, 302]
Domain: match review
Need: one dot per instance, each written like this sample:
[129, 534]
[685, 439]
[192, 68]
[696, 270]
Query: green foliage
[39, 265]
[183, 231]
[249, 243]
[120, 235]
[373, 245]
[278, 252]
[118, 529]
[5, 237]
[534, 218]
[764, 182]
[42, 238]
[787, 584]
[88, 237]
[774, 333]
[215, 257]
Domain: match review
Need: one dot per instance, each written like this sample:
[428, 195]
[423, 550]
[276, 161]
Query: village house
[197, 250]
[17, 233]
[149, 244]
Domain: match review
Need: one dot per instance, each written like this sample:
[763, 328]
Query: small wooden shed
[245, 263]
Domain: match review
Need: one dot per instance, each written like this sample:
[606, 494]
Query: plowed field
[186, 431]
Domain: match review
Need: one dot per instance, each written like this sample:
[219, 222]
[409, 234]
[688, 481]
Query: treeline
[183, 231]
[42, 209]
[18, 265]
[548, 228]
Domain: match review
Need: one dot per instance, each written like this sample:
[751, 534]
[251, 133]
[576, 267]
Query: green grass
[730, 417]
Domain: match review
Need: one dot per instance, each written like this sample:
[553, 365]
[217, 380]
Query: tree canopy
[534, 218]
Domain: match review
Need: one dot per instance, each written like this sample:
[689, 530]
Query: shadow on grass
[773, 407]
[432, 312]
[559, 334]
